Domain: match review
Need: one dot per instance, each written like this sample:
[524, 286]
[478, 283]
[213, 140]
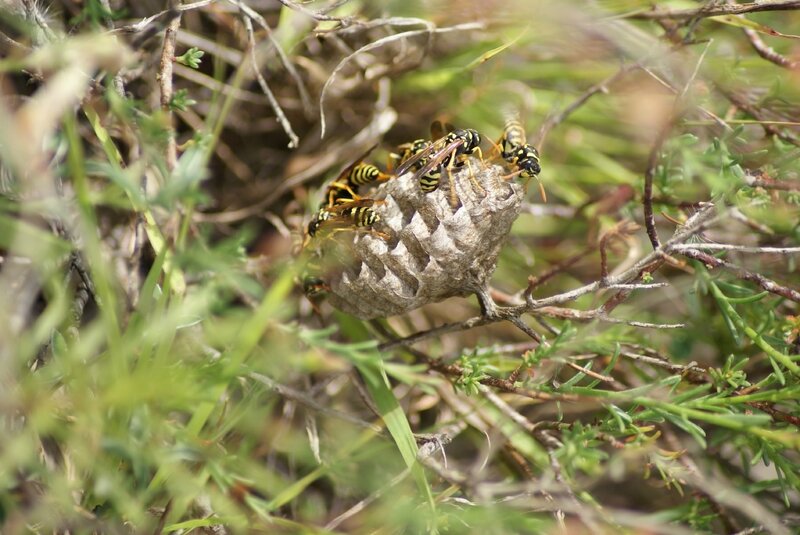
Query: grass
[163, 372]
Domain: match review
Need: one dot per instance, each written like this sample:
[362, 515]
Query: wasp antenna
[541, 190]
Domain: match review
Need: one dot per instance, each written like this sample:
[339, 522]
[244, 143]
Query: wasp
[313, 286]
[445, 152]
[513, 138]
[408, 150]
[343, 188]
[515, 149]
[345, 215]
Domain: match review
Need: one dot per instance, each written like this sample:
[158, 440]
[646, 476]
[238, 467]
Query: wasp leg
[512, 175]
[496, 151]
[381, 235]
[453, 193]
[474, 181]
[391, 161]
[340, 186]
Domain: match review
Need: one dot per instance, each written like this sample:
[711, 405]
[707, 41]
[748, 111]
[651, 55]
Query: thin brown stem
[716, 10]
[766, 52]
[164, 78]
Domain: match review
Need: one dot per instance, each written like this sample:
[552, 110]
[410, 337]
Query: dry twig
[715, 10]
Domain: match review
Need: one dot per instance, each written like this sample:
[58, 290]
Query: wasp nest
[422, 249]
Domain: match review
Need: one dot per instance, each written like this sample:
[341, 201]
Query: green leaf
[395, 419]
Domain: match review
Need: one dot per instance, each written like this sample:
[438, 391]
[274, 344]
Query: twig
[647, 200]
[766, 52]
[621, 230]
[538, 280]
[600, 314]
[715, 10]
[693, 373]
[143, 24]
[759, 180]
[382, 120]
[738, 248]
[316, 15]
[377, 44]
[753, 110]
[305, 99]
[276, 107]
[765, 283]
[119, 84]
[308, 401]
[777, 415]
[554, 120]
[504, 385]
[698, 222]
[164, 78]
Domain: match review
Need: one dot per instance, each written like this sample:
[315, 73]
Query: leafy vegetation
[162, 371]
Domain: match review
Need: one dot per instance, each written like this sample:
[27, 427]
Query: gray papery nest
[429, 250]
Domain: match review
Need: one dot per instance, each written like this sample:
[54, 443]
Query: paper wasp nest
[430, 251]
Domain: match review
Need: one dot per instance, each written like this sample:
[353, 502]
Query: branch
[554, 120]
[377, 44]
[316, 15]
[164, 78]
[739, 248]
[276, 107]
[715, 10]
[285, 61]
[753, 111]
[766, 52]
[765, 283]
[696, 223]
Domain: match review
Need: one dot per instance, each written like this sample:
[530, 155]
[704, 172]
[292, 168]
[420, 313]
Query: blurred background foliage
[161, 370]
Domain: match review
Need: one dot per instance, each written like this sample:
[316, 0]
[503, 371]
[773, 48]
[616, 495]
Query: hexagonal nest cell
[423, 250]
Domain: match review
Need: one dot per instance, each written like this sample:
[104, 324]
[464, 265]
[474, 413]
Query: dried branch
[538, 280]
[621, 230]
[755, 112]
[311, 403]
[305, 99]
[276, 107]
[765, 283]
[316, 15]
[738, 248]
[766, 52]
[715, 10]
[382, 120]
[760, 180]
[504, 385]
[555, 119]
[697, 223]
[119, 84]
[145, 23]
[430, 30]
[164, 78]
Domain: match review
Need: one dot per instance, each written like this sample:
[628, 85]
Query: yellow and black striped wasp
[314, 286]
[347, 214]
[406, 151]
[441, 155]
[515, 149]
[358, 173]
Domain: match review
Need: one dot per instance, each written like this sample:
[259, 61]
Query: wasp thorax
[420, 249]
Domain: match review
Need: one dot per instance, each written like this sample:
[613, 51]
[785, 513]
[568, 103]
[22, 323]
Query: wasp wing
[438, 158]
[339, 208]
[406, 165]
